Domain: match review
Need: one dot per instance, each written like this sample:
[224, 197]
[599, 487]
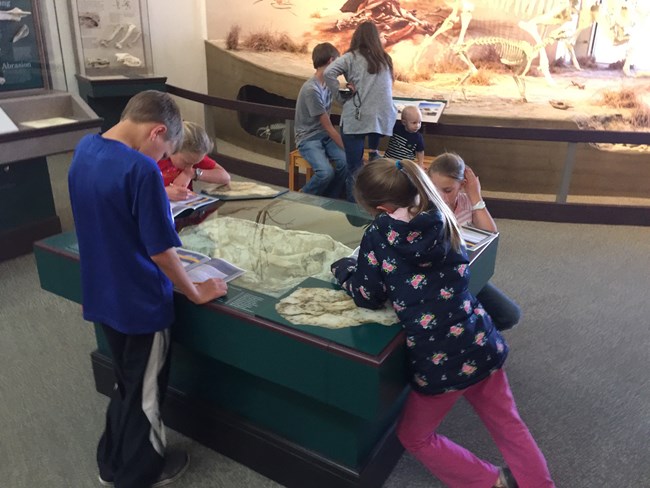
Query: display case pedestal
[27, 211]
[45, 123]
[108, 96]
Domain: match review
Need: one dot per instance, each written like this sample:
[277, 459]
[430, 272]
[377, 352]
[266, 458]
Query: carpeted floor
[578, 367]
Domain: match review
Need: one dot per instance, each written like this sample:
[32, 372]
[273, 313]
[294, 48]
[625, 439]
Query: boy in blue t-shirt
[128, 269]
[407, 142]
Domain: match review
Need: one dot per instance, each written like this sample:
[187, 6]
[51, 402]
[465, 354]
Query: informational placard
[431, 110]
[22, 55]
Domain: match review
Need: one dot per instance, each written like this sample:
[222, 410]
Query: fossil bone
[134, 38]
[14, 15]
[97, 63]
[129, 30]
[516, 55]
[20, 33]
[118, 28]
[89, 20]
[128, 60]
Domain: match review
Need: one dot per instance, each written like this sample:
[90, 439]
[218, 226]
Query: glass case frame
[28, 43]
[111, 38]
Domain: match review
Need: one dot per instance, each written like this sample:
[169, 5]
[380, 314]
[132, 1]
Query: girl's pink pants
[456, 466]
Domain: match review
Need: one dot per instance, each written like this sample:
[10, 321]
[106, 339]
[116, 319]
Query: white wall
[177, 33]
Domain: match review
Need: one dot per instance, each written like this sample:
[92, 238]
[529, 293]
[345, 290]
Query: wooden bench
[297, 162]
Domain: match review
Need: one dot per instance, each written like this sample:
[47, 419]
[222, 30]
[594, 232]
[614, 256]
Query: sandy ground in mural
[499, 99]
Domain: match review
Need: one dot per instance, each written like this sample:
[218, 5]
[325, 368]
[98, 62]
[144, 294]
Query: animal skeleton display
[620, 20]
[516, 55]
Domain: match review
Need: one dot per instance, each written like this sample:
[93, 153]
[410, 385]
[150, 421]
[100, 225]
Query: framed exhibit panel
[23, 51]
[111, 38]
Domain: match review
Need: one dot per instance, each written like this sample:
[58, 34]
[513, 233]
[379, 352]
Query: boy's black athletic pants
[132, 448]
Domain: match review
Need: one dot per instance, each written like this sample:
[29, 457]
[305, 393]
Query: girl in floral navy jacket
[413, 256]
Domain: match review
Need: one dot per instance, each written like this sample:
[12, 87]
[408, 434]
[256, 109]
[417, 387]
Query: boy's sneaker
[176, 462]
[372, 155]
[506, 479]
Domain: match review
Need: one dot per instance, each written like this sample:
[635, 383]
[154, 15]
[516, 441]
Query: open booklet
[475, 238]
[201, 267]
[186, 207]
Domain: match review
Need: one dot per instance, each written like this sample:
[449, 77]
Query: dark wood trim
[265, 452]
[20, 240]
[577, 213]
[121, 81]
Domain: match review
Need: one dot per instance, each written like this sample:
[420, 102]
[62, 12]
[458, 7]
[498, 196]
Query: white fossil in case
[135, 38]
[97, 63]
[128, 60]
[130, 29]
[21, 33]
[15, 14]
[2, 80]
[105, 42]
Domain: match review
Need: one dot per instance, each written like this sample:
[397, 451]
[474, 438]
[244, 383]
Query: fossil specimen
[14, 15]
[89, 20]
[516, 55]
[130, 29]
[20, 33]
[134, 38]
[128, 60]
[106, 41]
[97, 63]
[333, 309]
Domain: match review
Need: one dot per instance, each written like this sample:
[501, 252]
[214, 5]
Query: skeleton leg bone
[105, 42]
[129, 30]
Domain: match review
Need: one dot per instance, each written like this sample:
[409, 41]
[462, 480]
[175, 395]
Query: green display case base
[269, 454]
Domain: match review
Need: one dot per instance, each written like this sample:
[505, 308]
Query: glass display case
[30, 47]
[111, 38]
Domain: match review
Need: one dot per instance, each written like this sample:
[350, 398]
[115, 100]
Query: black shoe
[506, 479]
[176, 462]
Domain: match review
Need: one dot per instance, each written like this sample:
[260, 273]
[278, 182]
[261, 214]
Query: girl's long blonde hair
[403, 184]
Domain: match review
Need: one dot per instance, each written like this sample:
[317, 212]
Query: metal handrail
[570, 136]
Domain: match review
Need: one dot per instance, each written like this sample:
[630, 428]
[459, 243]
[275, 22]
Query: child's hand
[472, 186]
[177, 193]
[209, 290]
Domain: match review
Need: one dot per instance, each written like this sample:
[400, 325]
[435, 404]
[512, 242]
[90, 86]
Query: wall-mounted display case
[30, 48]
[111, 38]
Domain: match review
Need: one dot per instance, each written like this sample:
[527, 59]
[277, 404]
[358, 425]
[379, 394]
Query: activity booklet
[184, 208]
[475, 238]
[201, 267]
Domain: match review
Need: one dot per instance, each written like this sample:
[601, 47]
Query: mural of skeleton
[516, 55]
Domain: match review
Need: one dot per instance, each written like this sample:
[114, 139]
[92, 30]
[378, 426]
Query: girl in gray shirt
[368, 110]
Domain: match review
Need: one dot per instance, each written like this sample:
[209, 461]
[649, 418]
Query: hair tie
[398, 165]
